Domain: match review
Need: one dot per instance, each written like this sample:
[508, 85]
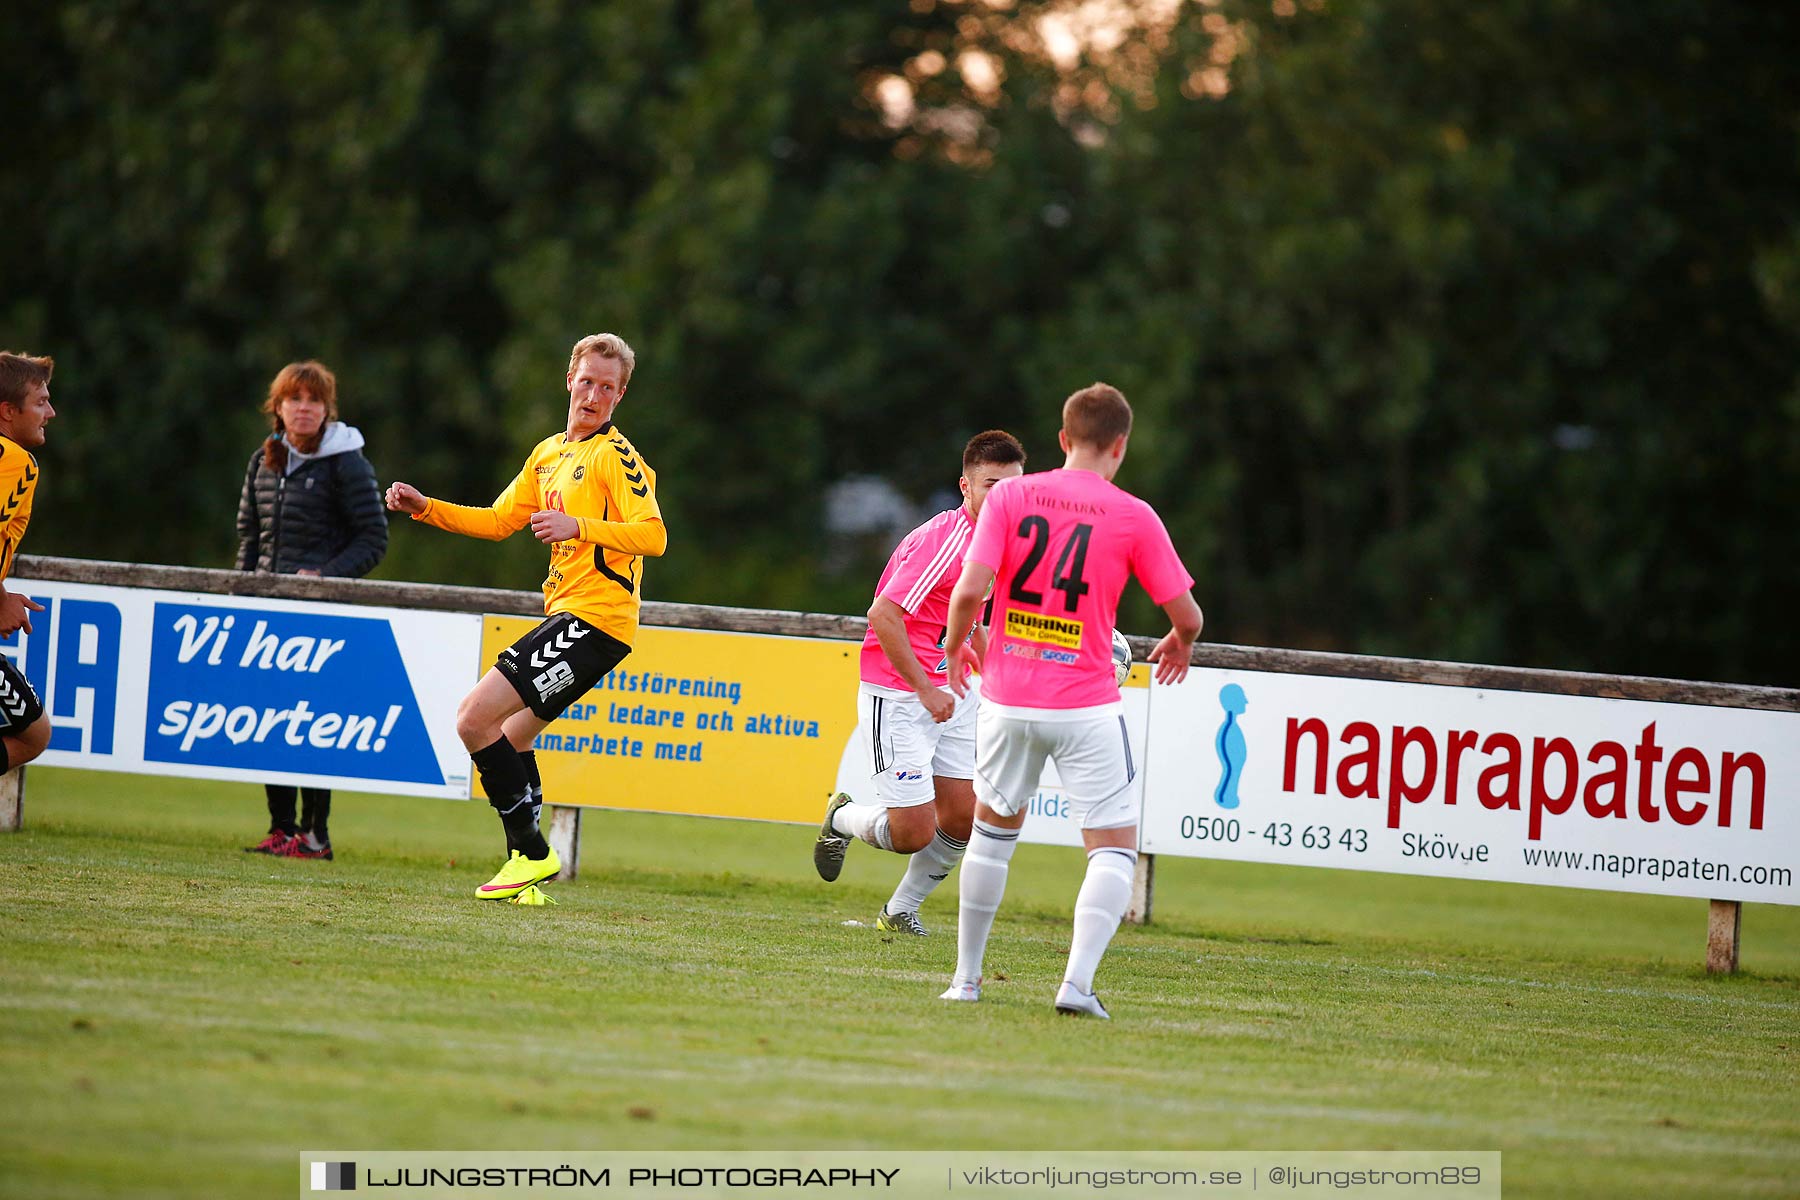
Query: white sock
[924, 871]
[983, 883]
[866, 821]
[1105, 895]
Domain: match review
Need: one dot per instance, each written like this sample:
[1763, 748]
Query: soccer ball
[1121, 657]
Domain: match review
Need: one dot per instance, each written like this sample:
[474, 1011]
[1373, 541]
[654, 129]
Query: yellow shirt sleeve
[630, 483]
[647, 538]
[506, 516]
[18, 488]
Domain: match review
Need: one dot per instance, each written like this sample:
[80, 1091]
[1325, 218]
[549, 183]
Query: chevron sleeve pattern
[18, 486]
[636, 528]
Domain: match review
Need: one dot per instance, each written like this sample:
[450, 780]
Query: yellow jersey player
[24, 412]
[590, 496]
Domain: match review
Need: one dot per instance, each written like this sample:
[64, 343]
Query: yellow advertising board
[701, 722]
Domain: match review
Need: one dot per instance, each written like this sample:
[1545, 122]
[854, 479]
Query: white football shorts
[1090, 747]
[908, 749]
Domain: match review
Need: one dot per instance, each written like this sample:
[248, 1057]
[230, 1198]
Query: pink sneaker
[302, 846]
[273, 844]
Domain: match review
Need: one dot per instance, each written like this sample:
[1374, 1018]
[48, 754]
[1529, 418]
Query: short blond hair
[606, 345]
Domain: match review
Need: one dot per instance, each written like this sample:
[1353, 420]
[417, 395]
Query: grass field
[181, 1018]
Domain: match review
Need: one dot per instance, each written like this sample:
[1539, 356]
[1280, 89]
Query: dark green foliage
[1454, 330]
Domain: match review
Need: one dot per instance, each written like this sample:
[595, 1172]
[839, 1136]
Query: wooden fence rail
[454, 598]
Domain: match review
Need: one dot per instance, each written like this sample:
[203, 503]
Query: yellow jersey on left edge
[604, 483]
[18, 485]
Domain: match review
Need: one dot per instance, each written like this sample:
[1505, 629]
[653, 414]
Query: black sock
[503, 778]
[281, 808]
[315, 814]
[529, 758]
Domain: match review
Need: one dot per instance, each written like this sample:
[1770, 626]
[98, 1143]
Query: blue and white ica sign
[71, 658]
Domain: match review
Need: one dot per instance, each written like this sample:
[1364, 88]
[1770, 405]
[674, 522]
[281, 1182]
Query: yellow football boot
[533, 897]
[518, 874]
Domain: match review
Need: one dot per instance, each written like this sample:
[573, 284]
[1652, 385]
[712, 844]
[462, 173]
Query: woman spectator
[310, 506]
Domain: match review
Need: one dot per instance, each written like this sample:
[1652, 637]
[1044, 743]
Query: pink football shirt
[1061, 544]
[920, 576]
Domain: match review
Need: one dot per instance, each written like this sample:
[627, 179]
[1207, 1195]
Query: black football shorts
[555, 664]
[19, 705]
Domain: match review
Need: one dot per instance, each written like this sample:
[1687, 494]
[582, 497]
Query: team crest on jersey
[580, 471]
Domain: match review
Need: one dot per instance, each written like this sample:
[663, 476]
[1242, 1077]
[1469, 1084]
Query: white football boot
[1071, 1001]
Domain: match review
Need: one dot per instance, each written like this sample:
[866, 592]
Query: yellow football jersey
[610, 490]
[18, 484]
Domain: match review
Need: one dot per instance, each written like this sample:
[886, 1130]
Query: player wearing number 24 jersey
[1057, 547]
[1063, 544]
[588, 494]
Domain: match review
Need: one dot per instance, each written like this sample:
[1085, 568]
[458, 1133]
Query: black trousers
[315, 811]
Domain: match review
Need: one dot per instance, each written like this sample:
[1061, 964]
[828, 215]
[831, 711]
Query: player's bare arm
[1173, 653]
[965, 605]
[888, 620]
[15, 612]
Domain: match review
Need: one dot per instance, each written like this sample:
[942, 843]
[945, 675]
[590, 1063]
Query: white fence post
[12, 800]
[1143, 890]
[1724, 920]
[565, 837]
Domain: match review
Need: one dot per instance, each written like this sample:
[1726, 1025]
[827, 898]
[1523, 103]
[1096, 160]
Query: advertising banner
[219, 687]
[694, 721]
[1618, 795]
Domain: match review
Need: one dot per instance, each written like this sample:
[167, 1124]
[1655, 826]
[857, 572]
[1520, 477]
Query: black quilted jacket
[326, 515]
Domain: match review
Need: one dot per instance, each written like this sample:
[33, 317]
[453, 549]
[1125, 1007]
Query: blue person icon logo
[1230, 745]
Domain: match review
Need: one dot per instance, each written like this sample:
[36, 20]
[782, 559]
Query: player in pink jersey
[1057, 548]
[921, 739]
